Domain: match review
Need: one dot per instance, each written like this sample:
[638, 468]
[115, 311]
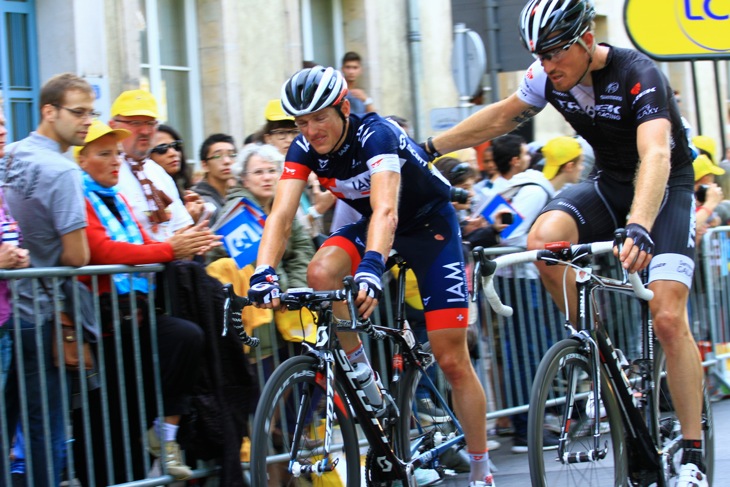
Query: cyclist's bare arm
[653, 144]
[384, 192]
[491, 121]
[279, 222]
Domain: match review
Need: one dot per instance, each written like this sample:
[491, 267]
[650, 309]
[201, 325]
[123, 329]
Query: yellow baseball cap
[559, 151]
[704, 166]
[706, 144]
[135, 103]
[99, 129]
[275, 113]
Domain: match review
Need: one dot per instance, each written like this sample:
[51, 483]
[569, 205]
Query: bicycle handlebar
[560, 252]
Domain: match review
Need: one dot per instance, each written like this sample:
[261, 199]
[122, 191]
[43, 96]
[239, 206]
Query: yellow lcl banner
[679, 29]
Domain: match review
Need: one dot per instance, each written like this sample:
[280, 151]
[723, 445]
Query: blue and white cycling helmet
[546, 24]
[313, 89]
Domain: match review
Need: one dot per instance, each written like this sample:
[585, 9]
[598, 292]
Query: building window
[322, 36]
[19, 66]
[170, 65]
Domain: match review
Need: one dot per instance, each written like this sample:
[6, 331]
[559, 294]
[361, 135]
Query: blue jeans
[46, 470]
[6, 353]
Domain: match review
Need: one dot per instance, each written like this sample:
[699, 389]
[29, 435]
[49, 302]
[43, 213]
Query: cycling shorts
[432, 248]
[599, 205]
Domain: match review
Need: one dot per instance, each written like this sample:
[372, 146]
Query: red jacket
[105, 251]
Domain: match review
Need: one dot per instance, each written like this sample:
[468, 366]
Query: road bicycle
[631, 436]
[305, 429]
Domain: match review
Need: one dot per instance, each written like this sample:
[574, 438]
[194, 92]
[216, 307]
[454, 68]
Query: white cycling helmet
[545, 24]
[313, 89]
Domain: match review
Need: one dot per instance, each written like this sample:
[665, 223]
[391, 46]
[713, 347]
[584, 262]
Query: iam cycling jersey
[628, 91]
[428, 234]
[372, 144]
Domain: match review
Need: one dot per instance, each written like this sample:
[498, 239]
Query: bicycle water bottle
[366, 380]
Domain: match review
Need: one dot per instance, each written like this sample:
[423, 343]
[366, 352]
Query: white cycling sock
[479, 465]
[358, 355]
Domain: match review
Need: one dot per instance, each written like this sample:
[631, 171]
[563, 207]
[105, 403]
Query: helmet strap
[590, 57]
[338, 108]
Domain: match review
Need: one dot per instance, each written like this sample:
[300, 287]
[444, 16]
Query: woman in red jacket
[115, 237]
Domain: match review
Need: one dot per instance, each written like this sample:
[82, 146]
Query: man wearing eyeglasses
[621, 103]
[44, 193]
[150, 191]
[217, 157]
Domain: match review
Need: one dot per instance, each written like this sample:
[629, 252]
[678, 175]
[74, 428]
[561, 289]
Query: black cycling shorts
[599, 205]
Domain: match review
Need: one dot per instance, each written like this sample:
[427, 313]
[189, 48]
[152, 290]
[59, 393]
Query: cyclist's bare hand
[638, 248]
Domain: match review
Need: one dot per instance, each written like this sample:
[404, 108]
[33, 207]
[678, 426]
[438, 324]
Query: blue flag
[242, 232]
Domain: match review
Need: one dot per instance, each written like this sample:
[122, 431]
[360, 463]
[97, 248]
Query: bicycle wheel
[669, 427]
[567, 365]
[422, 423]
[296, 389]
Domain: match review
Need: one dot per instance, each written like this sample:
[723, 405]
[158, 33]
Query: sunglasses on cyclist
[163, 148]
[556, 54]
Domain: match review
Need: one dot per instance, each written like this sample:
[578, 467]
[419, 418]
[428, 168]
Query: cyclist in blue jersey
[622, 104]
[363, 160]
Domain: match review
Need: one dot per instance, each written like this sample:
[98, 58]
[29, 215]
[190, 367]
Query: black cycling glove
[641, 237]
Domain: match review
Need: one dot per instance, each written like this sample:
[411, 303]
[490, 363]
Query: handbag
[70, 349]
[69, 338]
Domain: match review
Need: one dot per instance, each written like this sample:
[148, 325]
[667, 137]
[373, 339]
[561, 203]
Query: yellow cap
[557, 152]
[704, 166]
[135, 103]
[274, 112]
[706, 144]
[99, 129]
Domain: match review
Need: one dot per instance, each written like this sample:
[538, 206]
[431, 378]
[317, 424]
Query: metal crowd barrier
[506, 355]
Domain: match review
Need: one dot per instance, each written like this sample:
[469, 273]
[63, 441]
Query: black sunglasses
[163, 148]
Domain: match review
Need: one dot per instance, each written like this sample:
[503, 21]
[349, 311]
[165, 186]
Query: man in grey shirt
[43, 191]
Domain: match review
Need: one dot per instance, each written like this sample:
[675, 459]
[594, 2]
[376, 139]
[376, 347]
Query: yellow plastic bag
[295, 325]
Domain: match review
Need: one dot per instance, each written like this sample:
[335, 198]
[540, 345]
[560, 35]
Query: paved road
[512, 469]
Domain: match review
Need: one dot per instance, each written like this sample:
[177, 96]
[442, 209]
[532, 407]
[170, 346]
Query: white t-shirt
[131, 189]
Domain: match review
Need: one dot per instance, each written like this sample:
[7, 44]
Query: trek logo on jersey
[612, 112]
[569, 106]
[636, 89]
[641, 95]
[458, 290]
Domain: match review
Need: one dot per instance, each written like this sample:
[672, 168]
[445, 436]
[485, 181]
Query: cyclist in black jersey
[622, 104]
[370, 163]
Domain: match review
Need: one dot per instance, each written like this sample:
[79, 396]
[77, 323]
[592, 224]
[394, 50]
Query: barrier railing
[104, 412]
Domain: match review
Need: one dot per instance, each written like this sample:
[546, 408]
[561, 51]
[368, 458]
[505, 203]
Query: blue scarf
[124, 231]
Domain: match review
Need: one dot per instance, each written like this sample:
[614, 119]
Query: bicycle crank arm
[584, 456]
[317, 468]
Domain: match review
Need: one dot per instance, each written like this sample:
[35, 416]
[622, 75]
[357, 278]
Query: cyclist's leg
[670, 277]
[588, 211]
[451, 353]
[684, 370]
[435, 253]
[338, 257]
[554, 226]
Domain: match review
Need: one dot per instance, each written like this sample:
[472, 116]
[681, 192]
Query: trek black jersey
[372, 144]
[627, 92]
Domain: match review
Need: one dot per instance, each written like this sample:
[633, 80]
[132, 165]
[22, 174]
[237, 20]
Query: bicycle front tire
[567, 363]
[296, 389]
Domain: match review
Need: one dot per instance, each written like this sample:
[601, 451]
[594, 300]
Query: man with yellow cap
[707, 194]
[150, 191]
